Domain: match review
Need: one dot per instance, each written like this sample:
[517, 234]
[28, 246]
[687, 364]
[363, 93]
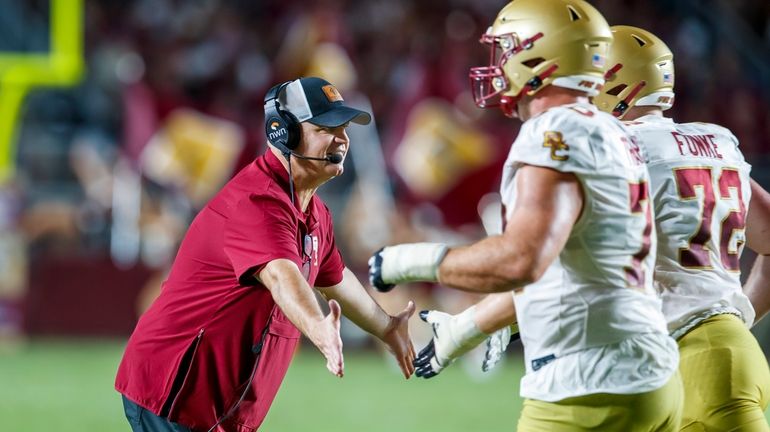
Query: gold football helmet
[641, 72]
[534, 43]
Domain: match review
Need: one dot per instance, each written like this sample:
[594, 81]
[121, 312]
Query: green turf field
[66, 386]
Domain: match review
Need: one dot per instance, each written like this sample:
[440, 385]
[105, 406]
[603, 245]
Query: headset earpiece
[281, 127]
[294, 129]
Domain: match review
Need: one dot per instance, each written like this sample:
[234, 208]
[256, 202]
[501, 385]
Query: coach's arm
[364, 311]
[295, 297]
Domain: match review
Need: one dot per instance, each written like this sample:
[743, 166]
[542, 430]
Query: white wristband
[412, 262]
[465, 332]
[454, 335]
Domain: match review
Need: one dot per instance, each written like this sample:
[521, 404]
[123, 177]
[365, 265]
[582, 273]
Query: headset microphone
[334, 158]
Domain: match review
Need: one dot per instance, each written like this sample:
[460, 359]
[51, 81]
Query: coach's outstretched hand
[326, 337]
[396, 338]
[453, 336]
[410, 262]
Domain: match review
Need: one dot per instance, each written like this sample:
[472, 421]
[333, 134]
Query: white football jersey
[595, 310]
[701, 190]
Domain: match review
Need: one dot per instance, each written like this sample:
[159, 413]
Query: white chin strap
[662, 99]
[587, 83]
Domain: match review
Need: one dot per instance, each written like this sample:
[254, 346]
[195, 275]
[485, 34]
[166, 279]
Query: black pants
[142, 420]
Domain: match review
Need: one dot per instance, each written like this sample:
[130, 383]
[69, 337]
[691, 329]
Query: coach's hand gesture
[326, 337]
[396, 338]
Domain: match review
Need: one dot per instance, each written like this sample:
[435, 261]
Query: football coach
[212, 350]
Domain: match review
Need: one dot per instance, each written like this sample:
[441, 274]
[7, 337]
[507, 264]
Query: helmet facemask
[488, 83]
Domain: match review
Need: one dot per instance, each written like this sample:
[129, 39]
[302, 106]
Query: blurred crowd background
[110, 171]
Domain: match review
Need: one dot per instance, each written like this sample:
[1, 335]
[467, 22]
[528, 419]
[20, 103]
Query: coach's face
[322, 141]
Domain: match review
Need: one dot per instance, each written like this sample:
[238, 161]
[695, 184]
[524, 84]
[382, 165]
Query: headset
[281, 127]
[283, 132]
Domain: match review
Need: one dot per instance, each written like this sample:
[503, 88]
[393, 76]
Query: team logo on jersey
[555, 141]
[331, 93]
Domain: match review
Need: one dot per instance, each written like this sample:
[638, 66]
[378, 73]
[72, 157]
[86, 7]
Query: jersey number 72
[697, 254]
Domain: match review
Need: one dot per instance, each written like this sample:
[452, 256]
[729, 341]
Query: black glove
[422, 364]
[375, 273]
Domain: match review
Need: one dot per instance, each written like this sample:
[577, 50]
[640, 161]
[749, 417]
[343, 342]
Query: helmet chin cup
[509, 106]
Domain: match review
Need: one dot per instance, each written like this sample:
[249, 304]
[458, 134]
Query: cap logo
[274, 125]
[668, 77]
[331, 93]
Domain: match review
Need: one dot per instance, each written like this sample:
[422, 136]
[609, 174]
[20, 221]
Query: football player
[578, 221]
[702, 192]
[700, 220]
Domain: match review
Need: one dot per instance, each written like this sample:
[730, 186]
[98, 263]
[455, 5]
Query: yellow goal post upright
[21, 73]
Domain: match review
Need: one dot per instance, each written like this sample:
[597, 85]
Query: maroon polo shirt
[193, 351]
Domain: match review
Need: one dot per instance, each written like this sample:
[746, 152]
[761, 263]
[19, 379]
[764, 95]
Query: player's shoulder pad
[565, 116]
[558, 138]
[651, 135]
[704, 128]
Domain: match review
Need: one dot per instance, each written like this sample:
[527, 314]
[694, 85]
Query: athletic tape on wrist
[412, 262]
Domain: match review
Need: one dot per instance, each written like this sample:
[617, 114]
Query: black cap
[317, 101]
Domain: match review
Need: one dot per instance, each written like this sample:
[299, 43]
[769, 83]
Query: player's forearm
[492, 265]
[757, 287]
[547, 206]
[358, 305]
[293, 295]
[758, 220]
[494, 312]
